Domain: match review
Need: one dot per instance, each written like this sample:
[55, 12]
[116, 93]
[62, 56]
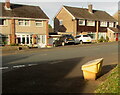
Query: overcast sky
[51, 7]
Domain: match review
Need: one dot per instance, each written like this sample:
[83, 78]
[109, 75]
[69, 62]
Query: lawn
[111, 84]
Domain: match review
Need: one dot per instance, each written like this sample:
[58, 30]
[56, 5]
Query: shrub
[107, 39]
[5, 43]
[102, 39]
[13, 44]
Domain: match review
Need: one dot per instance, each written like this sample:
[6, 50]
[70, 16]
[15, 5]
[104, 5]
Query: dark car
[63, 40]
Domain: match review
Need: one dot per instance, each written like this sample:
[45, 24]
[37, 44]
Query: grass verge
[111, 84]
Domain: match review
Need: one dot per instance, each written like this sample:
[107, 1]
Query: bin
[92, 69]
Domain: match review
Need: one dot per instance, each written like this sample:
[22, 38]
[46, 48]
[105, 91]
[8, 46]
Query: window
[111, 24]
[3, 22]
[85, 36]
[24, 22]
[92, 35]
[39, 23]
[78, 36]
[61, 22]
[90, 23]
[103, 24]
[81, 22]
[103, 34]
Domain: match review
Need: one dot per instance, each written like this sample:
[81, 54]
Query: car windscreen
[69, 36]
[85, 36]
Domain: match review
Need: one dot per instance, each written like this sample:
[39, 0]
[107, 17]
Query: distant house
[113, 34]
[117, 17]
[75, 21]
[23, 24]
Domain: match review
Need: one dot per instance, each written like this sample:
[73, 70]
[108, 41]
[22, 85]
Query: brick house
[75, 21]
[114, 32]
[23, 24]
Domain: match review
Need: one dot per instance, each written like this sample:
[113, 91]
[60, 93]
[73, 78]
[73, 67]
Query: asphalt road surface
[56, 70]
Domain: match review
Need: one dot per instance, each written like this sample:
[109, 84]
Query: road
[56, 70]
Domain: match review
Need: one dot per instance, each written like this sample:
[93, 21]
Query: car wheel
[81, 42]
[63, 43]
[54, 45]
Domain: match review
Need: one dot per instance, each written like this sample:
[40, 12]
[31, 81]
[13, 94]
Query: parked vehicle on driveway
[77, 41]
[84, 39]
[63, 40]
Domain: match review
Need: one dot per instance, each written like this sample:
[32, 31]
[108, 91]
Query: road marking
[56, 62]
[18, 66]
[2, 68]
[31, 64]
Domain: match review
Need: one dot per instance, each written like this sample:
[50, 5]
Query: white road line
[31, 64]
[2, 68]
[56, 62]
[18, 66]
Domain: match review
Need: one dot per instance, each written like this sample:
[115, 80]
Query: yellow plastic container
[92, 69]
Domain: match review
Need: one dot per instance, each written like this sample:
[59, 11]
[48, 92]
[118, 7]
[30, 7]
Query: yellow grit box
[92, 69]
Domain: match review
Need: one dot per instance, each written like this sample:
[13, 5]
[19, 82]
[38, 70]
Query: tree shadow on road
[46, 78]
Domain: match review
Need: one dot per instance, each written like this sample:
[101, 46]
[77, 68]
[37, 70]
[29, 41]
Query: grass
[111, 84]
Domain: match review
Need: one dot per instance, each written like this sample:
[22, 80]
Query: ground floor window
[19, 40]
[92, 35]
[23, 39]
[42, 39]
[4, 39]
[28, 39]
[103, 34]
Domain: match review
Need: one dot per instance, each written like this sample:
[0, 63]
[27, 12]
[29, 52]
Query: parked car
[63, 40]
[84, 39]
[77, 41]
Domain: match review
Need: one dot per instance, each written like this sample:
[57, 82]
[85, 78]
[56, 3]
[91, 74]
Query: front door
[42, 41]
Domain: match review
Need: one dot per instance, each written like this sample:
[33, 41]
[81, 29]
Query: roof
[83, 13]
[24, 11]
[114, 29]
[117, 16]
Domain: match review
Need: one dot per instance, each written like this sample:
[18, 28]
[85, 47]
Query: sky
[51, 7]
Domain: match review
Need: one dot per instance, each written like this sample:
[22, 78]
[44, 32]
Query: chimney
[7, 5]
[90, 8]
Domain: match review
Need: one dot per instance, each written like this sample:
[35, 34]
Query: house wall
[69, 25]
[6, 30]
[32, 28]
[90, 28]
[111, 35]
[9, 28]
[85, 28]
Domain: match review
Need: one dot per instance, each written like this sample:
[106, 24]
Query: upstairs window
[111, 24]
[81, 22]
[39, 23]
[90, 23]
[3, 22]
[24, 22]
[103, 23]
[61, 22]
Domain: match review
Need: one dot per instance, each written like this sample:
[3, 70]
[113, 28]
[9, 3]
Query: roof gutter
[22, 18]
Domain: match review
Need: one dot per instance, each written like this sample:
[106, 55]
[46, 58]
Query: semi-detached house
[23, 24]
[73, 20]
